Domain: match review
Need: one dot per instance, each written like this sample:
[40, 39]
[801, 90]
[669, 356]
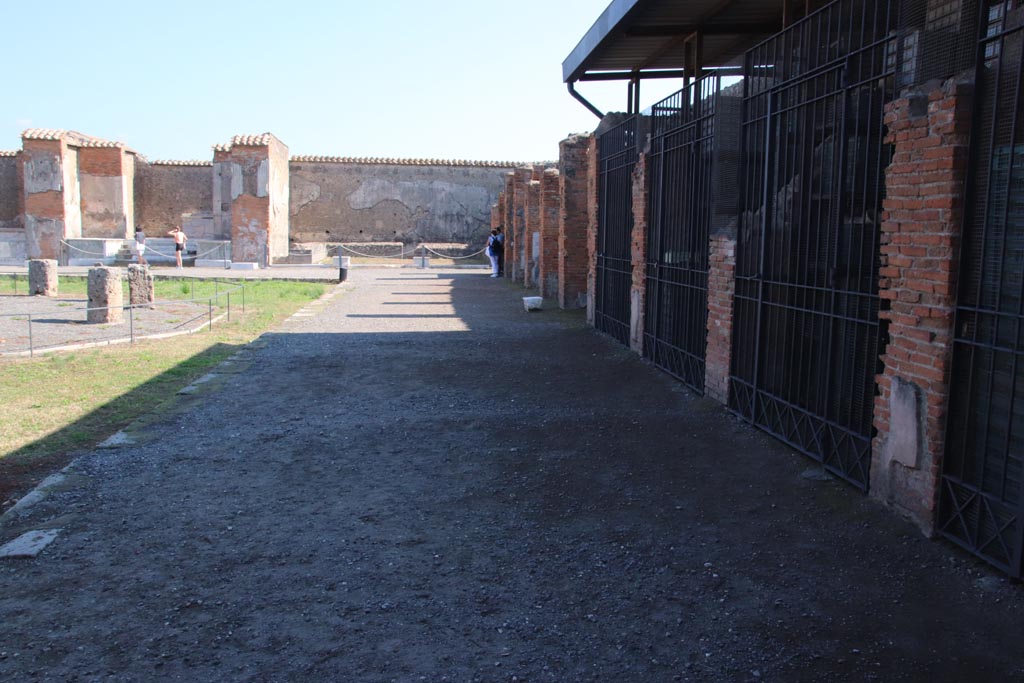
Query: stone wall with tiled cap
[394, 161]
[180, 162]
[361, 199]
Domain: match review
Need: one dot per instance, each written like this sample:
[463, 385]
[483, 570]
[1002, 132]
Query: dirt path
[418, 481]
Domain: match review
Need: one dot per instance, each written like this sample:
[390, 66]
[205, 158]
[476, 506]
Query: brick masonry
[593, 212]
[508, 220]
[721, 286]
[521, 181]
[573, 259]
[532, 235]
[51, 203]
[550, 210]
[920, 242]
[107, 179]
[638, 253]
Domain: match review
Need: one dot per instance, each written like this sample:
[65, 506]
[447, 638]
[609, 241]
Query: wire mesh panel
[681, 208]
[981, 503]
[807, 335]
[617, 151]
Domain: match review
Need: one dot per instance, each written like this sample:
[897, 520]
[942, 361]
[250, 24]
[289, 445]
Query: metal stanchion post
[243, 298]
[210, 301]
[31, 347]
[192, 284]
[131, 323]
[229, 306]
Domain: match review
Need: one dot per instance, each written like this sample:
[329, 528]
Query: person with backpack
[500, 239]
[494, 247]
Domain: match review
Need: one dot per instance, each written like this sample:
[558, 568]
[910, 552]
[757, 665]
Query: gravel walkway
[415, 480]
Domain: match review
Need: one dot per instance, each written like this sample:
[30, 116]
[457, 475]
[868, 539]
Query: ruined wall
[10, 189]
[391, 200]
[106, 175]
[164, 191]
[278, 185]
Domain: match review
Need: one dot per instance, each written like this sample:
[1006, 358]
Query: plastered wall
[357, 202]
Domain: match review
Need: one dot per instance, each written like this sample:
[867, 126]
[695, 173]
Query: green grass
[59, 402]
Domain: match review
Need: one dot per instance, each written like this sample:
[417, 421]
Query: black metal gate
[617, 155]
[981, 502]
[681, 201]
[806, 334]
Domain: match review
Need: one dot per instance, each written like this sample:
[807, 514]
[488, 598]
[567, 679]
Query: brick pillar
[520, 183]
[920, 246]
[497, 211]
[532, 233]
[721, 285]
[49, 172]
[508, 220]
[638, 253]
[259, 198]
[573, 164]
[550, 210]
[593, 211]
[106, 172]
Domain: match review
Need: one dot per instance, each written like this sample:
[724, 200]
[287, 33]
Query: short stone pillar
[106, 299]
[42, 277]
[140, 285]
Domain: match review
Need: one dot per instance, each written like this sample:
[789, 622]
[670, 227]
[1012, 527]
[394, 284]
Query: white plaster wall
[72, 194]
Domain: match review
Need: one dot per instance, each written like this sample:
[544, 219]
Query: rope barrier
[454, 257]
[399, 255]
[149, 250]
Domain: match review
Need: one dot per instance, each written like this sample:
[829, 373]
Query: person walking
[493, 248]
[500, 240]
[179, 243]
[140, 246]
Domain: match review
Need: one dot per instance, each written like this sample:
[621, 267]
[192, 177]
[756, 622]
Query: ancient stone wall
[335, 200]
[165, 191]
[10, 205]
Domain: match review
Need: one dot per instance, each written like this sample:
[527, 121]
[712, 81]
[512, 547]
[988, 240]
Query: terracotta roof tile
[252, 140]
[43, 134]
[8, 152]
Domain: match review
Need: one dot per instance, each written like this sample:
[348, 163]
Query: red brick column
[48, 168]
[721, 286]
[593, 212]
[508, 219]
[550, 211]
[638, 253]
[259, 198]
[519, 247]
[573, 165]
[497, 211]
[920, 246]
[532, 234]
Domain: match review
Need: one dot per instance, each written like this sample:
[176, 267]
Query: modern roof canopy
[634, 40]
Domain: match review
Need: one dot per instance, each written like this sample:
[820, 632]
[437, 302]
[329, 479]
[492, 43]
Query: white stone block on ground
[29, 544]
[212, 263]
[244, 265]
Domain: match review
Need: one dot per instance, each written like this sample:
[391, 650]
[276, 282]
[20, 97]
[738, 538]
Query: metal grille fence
[617, 152]
[981, 504]
[807, 336]
[681, 209]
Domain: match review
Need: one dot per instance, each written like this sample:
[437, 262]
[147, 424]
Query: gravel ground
[415, 480]
[60, 322]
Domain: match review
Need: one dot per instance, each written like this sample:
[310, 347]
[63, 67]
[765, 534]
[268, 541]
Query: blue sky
[463, 79]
